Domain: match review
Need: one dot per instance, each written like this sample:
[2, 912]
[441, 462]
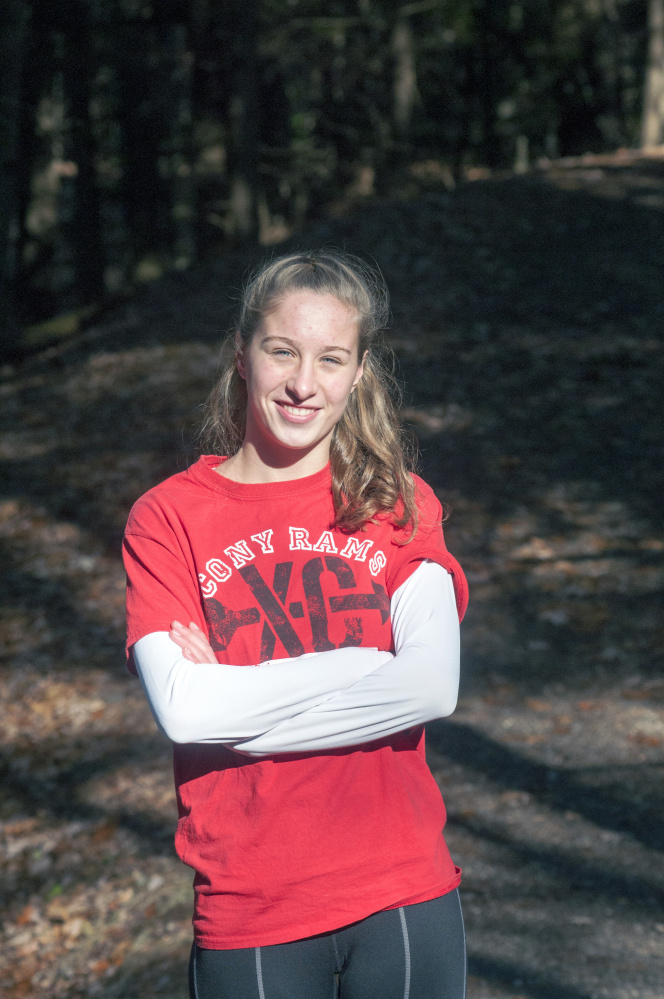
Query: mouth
[297, 414]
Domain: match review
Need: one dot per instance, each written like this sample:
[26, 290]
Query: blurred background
[143, 138]
[503, 164]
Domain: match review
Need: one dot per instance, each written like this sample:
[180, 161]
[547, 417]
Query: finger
[198, 657]
[196, 641]
[178, 638]
[202, 650]
[185, 632]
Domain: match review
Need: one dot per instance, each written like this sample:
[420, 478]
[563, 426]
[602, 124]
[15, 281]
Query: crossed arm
[315, 702]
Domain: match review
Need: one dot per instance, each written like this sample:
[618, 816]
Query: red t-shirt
[291, 845]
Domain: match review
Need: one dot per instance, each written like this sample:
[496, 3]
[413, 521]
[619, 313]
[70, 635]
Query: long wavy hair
[371, 456]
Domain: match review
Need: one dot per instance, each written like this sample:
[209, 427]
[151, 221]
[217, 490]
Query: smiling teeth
[296, 410]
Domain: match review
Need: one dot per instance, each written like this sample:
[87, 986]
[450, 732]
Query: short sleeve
[428, 544]
[161, 587]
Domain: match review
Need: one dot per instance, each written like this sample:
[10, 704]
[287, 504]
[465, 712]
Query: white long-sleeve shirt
[318, 701]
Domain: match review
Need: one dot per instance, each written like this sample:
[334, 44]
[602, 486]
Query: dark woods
[140, 137]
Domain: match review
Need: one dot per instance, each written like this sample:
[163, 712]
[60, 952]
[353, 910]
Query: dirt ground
[528, 322]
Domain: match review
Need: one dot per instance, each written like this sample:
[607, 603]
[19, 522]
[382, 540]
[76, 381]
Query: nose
[302, 382]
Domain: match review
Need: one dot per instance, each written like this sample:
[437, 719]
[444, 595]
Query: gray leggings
[415, 952]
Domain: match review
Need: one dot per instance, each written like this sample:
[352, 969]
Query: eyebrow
[285, 339]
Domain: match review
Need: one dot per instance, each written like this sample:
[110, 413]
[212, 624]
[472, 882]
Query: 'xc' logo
[224, 622]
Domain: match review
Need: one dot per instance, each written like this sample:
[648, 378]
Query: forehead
[307, 315]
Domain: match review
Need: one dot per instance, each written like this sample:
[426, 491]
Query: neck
[250, 466]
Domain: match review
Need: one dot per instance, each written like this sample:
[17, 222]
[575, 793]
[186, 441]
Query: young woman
[304, 544]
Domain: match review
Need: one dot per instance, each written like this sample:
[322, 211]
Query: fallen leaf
[107, 831]
[73, 927]
[57, 912]
[26, 915]
[643, 739]
[118, 955]
[20, 989]
[537, 705]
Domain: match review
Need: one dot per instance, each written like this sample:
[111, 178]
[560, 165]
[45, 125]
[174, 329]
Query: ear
[359, 372]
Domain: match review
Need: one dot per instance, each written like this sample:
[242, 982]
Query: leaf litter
[528, 316]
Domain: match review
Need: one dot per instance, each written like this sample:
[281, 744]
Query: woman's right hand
[195, 646]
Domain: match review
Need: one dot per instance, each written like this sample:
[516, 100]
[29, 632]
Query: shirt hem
[428, 895]
[237, 942]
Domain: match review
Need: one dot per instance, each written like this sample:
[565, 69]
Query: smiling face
[300, 367]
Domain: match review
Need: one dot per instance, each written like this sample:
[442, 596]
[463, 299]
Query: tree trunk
[486, 82]
[244, 124]
[179, 111]
[12, 46]
[146, 196]
[405, 77]
[86, 236]
[652, 131]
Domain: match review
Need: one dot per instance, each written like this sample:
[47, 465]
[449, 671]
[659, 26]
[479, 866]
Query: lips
[297, 414]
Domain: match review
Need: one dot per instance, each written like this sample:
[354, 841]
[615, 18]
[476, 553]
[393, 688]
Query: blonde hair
[371, 457]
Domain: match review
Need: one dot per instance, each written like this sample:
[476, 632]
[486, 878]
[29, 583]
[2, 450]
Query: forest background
[503, 163]
[140, 138]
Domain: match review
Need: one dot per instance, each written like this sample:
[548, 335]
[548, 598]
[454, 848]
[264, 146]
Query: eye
[332, 360]
[282, 352]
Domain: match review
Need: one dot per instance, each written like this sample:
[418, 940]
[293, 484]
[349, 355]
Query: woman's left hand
[195, 646]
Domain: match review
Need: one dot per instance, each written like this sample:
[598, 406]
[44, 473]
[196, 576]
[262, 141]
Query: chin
[297, 436]
[299, 443]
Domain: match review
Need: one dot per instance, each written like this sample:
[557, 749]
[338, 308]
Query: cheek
[262, 378]
[340, 395]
